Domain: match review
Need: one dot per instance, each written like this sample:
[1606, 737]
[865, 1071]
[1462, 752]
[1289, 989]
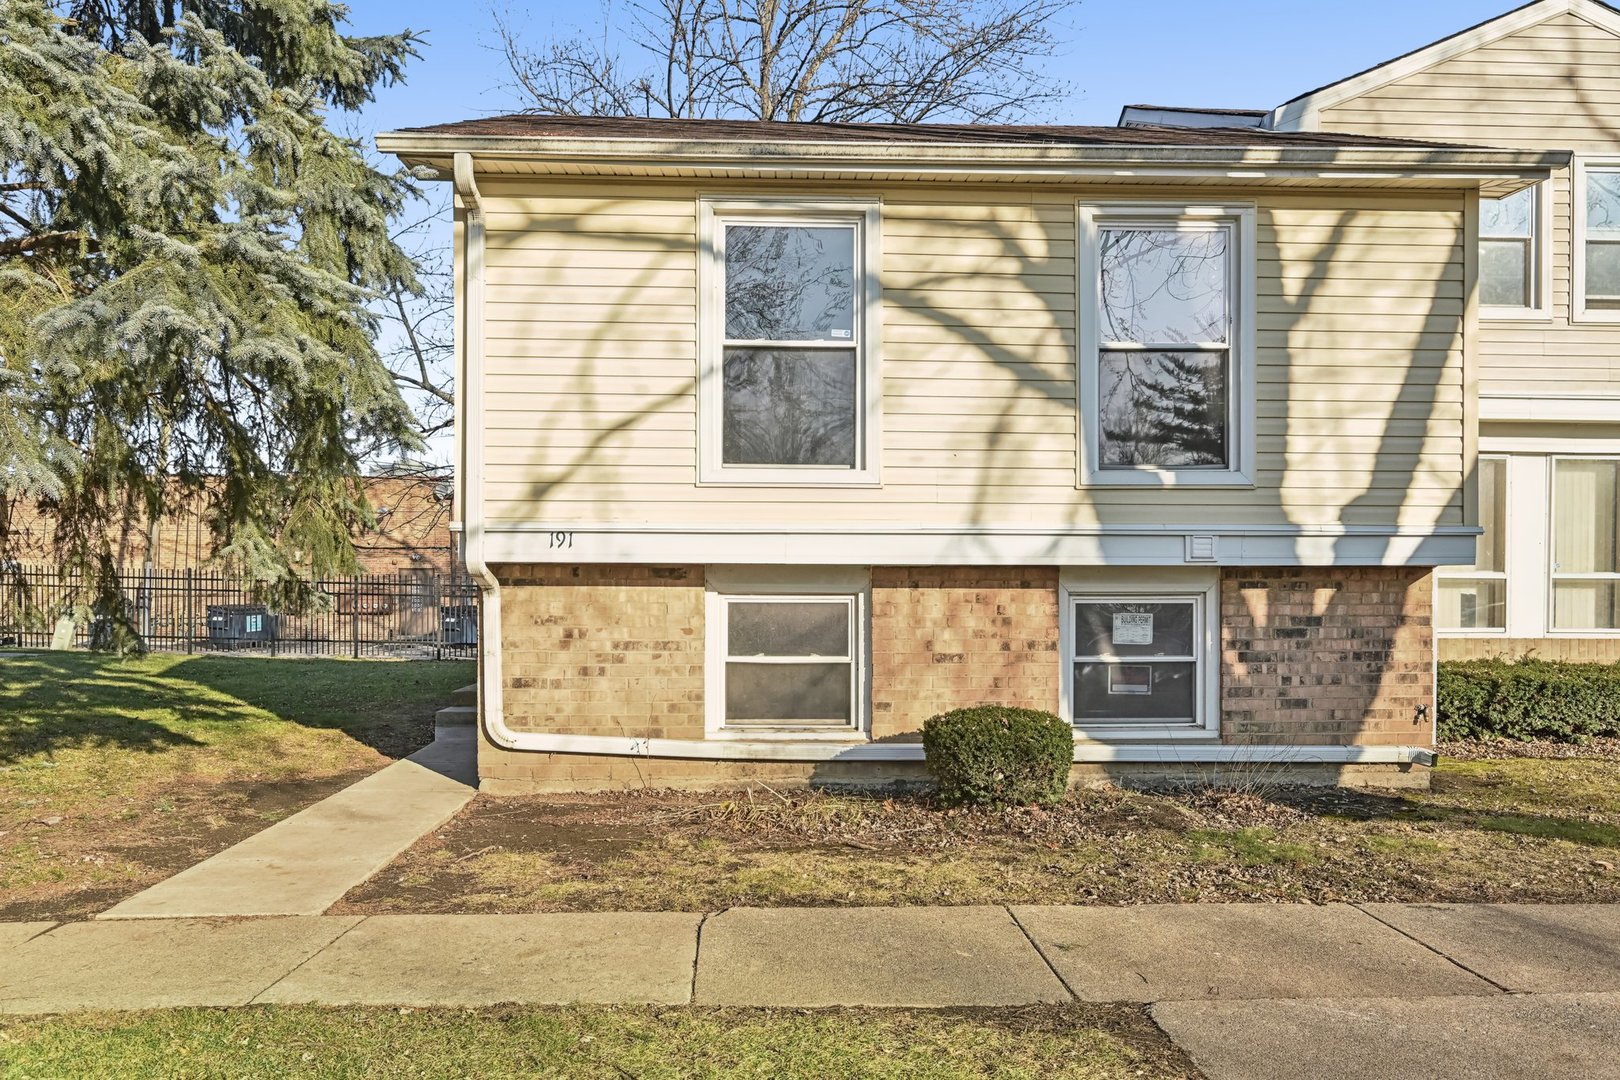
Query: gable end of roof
[1300, 113]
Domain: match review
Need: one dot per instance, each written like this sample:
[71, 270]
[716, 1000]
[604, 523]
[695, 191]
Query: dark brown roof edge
[525, 125]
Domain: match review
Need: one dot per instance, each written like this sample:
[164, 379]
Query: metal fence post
[355, 606]
[191, 610]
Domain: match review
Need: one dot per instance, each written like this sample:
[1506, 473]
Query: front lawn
[1071, 1042]
[116, 774]
[1490, 830]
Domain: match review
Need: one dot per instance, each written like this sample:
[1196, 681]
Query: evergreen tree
[187, 252]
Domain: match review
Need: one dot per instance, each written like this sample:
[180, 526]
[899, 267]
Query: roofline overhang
[1498, 171]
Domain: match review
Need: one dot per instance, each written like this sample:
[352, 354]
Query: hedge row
[1528, 699]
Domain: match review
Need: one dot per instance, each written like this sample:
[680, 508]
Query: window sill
[1112, 733]
[1165, 478]
[788, 734]
[1603, 315]
[766, 478]
[1500, 631]
[1508, 314]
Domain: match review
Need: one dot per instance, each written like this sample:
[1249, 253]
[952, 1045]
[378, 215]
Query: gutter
[491, 703]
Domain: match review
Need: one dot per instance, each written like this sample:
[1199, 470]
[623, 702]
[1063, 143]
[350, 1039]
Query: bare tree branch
[906, 61]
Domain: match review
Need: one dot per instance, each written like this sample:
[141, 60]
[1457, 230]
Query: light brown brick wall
[603, 650]
[1310, 657]
[1582, 650]
[1327, 656]
[944, 637]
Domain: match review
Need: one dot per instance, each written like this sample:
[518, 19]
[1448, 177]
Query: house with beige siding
[778, 439]
[1546, 76]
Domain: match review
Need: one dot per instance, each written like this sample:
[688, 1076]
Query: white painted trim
[1578, 311]
[1239, 219]
[863, 214]
[1541, 253]
[1198, 584]
[1460, 573]
[1555, 407]
[1304, 113]
[901, 545]
[1608, 446]
[722, 585]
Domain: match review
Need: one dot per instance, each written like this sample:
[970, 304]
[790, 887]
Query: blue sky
[1176, 52]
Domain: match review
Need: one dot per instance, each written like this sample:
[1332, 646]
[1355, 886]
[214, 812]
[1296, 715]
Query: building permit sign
[1133, 628]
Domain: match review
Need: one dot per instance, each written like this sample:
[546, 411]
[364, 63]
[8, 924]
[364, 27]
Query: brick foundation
[943, 637]
[1578, 650]
[1310, 657]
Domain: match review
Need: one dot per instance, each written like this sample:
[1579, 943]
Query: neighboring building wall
[1310, 656]
[591, 358]
[412, 532]
[1580, 650]
[1550, 87]
[1327, 656]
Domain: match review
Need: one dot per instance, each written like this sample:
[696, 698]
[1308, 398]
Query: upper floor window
[1510, 264]
[1167, 378]
[1597, 228]
[788, 307]
[1475, 597]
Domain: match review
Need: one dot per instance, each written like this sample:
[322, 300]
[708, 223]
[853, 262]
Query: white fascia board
[1304, 113]
[1502, 170]
[1124, 545]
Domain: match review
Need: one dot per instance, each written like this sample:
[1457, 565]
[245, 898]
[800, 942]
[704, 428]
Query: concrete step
[467, 695]
[456, 716]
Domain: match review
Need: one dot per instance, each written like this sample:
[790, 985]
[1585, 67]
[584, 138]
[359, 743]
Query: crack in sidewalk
[284, 976]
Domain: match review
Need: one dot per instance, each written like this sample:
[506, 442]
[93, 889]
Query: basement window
[786, 659]
[1140, 654]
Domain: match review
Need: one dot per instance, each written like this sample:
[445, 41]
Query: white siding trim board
[1102, 545]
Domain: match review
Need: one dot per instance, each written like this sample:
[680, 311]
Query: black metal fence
[410, 614]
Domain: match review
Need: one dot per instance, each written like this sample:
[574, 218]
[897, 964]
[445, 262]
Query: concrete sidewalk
[304, 864]
[1249, 991]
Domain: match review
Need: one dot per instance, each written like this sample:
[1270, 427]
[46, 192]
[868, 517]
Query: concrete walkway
[304, 864]
[1249, 991]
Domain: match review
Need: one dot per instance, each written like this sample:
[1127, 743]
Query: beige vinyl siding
[1553, 86]
[591, 363]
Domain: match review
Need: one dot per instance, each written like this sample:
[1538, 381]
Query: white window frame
[1201, 586]
[1553, 576]
[1578, 311]
[1540, 255]
[724, 586]
[1444, 573]
[714, 213]
[1239, 219]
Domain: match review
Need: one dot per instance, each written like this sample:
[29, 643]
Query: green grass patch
[1069, 1042]
[1248, 847]
[1591, 833]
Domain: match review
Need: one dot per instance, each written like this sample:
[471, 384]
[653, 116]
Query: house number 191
[562, 540]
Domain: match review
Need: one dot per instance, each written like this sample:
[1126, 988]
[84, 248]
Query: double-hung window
[1586, 544]
[788, 311]
[785, 656]
[1510, 263]
[1475, 598]
[1597, 227]
[1140, 652]
[1167, 325]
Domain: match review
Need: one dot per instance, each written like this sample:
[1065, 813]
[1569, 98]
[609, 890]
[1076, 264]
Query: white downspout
[470, 446]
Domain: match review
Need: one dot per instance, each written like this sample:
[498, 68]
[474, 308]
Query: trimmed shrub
[992, 755]
[1528, 699]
